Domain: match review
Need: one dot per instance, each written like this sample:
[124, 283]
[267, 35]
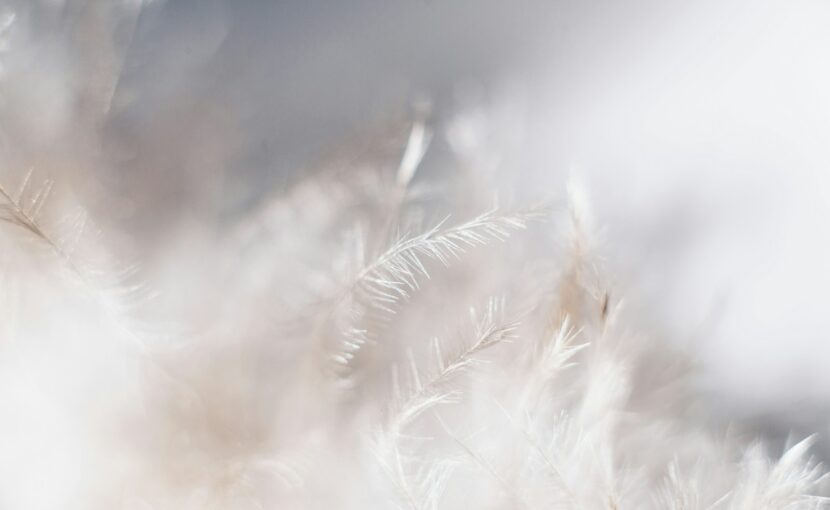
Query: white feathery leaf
[395, 273]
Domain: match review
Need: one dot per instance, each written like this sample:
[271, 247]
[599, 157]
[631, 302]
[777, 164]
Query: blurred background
[700, 130]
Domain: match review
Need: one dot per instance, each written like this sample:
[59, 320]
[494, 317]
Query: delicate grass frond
[552, 358]
[419, 482]
[353, 340]
[552, 465]
[416, 147]
[24, 212]
[490, 329]
[351, 332]
[788, 483]
[23, 209]
[556, 355]
[395, 273]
